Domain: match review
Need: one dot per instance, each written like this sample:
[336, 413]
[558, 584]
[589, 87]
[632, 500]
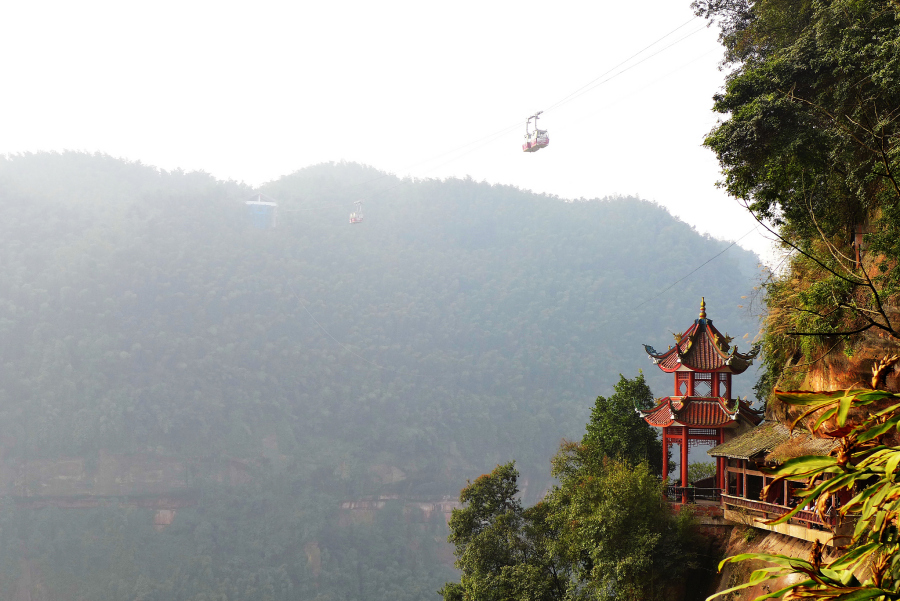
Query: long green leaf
[807, 397]
[804, 465]
[844, 408]
[890, 467]
[854, 555]
[777, 594]
[824, 417]
[863, 594]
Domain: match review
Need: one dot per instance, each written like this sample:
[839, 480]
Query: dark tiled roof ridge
[698, 412]
[700, 348]
[775, 440]
[761, 439]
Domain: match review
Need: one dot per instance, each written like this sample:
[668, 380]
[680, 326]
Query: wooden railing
[692, 494]
[771, 511]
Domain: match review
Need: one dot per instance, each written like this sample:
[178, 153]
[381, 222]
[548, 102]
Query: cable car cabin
[263, 211]
[537, 139]
[357, 215]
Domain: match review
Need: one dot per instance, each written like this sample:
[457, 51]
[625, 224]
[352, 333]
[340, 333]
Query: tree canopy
[604, 532]
[615, 430]
[809, 141]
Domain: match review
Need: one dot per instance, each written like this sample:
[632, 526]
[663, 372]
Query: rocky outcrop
[363, 511]
[157, 482]
[751, 540]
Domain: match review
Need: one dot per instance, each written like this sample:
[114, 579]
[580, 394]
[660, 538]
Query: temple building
[748, 457]
[701, 410]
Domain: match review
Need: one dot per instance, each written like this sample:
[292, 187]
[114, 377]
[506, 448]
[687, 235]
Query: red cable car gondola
[357, 215]
[537, 139]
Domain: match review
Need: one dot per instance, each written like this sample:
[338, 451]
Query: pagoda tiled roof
[702, 348]
[699, 412]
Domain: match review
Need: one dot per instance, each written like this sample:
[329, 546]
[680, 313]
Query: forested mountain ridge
[459, 326]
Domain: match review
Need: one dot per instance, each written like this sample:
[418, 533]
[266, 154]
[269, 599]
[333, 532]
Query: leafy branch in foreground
[863, 466]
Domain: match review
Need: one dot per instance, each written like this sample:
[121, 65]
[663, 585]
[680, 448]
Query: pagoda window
[682, 383]
[724, 385]
[703, 384]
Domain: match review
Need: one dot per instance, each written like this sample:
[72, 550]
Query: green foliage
[701, 470]
[616, 430]
[809, 141]
[810, 138]
[605, 532]
[618, 533]
[501, 548]
[749, 534]
[863, 470]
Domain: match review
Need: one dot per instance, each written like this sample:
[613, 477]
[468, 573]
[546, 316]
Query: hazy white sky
[252, 91]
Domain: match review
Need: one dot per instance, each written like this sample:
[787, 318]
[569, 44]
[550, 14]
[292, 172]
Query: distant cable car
[263, 211]
[537, 139]
[357, 215]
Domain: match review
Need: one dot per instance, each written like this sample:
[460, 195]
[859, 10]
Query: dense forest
[460, 326]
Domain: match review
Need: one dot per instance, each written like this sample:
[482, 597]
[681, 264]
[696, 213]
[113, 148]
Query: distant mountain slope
[141, 311]
[459, 326]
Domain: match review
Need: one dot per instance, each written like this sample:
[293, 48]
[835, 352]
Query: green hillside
[461, 325]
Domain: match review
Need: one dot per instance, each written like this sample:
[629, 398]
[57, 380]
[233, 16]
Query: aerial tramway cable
[710, 260]
[589, 85]
[470, 147]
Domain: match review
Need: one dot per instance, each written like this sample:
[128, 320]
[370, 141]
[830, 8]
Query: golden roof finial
[702, 308]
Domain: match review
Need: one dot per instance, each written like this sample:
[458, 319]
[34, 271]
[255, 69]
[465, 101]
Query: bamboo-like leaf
[878, 430]
[823, 488]
[810, 411]
[873, 456]
[844, 405]
[824, 417]
[782, 560]
[808, 397]
[890, 466]
[862, 594]
[804, 465]
[866, 397]
[777, 594]
[750, 582]
[887, 410]
[848, 559]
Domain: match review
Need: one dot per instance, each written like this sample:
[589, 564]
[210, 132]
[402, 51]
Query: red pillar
[721, 482]
[665, 451]
[684, 462]
[718, 483]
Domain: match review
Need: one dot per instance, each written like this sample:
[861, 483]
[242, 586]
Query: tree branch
[827, 334]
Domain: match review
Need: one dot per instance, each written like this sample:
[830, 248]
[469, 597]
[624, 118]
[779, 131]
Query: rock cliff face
[835, 371]
[839, 371]
[749, 540]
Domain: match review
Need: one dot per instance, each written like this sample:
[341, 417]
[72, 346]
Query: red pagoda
[701, 412]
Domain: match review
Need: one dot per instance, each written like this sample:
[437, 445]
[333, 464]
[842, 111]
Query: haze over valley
[275, 378]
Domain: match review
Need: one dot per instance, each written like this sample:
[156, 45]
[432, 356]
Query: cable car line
[710, 260]
[356, 216]
[566, 99]
[628, 68]
[591, 85]
[326, 332]
[639, 90]
[481, 142]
